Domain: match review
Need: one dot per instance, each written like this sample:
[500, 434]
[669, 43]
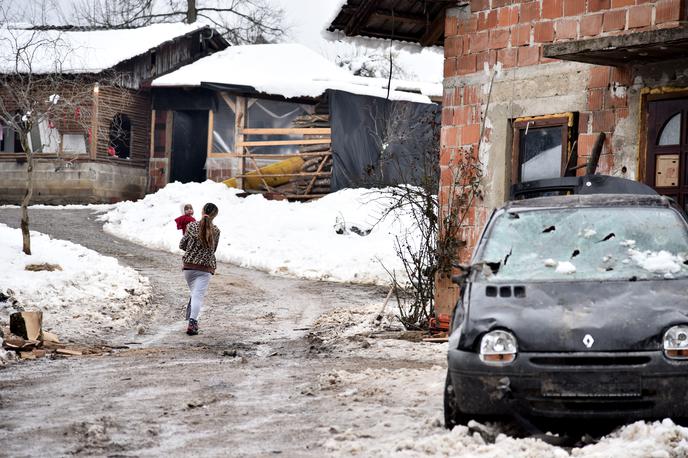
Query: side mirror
[460, 278]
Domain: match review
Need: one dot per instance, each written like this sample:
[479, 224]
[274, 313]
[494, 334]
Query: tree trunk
[190, 11]
[26, 240]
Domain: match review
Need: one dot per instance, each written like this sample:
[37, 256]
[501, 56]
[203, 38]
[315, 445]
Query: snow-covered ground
[89, 295]
[283, 238]
[408, 404]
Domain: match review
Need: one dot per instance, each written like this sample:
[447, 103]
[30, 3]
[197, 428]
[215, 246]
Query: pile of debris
[317, 166]
[26, 337]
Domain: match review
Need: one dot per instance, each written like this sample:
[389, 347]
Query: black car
[574, 307]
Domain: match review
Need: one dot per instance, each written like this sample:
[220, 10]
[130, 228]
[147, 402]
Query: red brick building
[557, 73]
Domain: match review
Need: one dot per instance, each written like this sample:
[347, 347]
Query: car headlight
[676, 342]
[498, 347]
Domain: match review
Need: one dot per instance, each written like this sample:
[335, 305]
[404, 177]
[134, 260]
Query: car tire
[452, 414]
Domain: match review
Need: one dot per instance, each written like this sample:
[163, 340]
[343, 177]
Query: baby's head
[188, 210]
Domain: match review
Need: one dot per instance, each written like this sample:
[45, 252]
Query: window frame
[130, 133]
[565, 120]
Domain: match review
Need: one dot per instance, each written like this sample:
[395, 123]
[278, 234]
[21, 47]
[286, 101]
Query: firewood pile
[317, 166]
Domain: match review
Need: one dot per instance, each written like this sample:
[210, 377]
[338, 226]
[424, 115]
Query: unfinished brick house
[562, 72]
[99, 150]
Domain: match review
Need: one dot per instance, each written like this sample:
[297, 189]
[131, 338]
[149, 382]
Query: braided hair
[206, 233]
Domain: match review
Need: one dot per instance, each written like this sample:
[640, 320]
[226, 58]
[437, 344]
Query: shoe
[188, 311]
[192, 329]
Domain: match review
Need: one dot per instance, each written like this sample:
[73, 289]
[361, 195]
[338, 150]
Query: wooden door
[667, 148]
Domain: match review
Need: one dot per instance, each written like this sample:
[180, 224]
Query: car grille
[611, 407]
[590, 360]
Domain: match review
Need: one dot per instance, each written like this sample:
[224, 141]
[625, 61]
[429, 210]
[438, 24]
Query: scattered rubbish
[26, 324]
[25, 337]
[49, 337]
[341, 228]
[436, 339]
[44, 267]
[65, 351]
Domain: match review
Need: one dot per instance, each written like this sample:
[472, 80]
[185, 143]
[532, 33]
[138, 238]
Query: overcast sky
[306, 20]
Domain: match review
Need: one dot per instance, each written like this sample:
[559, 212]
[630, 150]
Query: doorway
[667, 148]
[189, 146]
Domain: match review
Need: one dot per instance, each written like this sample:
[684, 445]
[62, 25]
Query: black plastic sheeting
[379, 142]
[184, 99]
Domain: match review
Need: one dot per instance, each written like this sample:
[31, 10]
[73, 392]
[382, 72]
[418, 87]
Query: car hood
[557, 316]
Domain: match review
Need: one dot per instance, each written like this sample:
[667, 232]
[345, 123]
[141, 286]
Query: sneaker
[192, 329]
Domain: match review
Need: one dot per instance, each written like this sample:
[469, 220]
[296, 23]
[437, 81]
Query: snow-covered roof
[83, 51]
[288, 70]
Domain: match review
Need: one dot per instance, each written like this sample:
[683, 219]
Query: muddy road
[254, 382]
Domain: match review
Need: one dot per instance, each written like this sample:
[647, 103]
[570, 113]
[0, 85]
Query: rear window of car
[574, 244]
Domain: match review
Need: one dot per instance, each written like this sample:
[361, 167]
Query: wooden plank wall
[137, 106]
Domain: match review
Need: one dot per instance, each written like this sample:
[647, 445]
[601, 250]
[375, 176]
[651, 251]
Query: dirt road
[254, 382]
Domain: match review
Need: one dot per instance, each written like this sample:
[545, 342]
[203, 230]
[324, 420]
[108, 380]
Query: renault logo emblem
[588, 340]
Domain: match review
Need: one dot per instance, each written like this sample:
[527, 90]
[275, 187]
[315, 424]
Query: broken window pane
[609, 244]
[671, 133]
[540, 152]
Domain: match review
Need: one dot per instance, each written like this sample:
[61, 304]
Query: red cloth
[184, 221]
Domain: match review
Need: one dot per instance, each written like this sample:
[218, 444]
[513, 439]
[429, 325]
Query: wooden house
[98, 152]
[273, 117]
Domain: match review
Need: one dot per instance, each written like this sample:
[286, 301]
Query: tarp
[379, 142]
[184, 99]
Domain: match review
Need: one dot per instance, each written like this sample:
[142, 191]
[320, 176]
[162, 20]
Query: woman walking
[199, 243]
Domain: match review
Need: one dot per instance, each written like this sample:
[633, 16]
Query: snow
[280, 237]
[562, 267]
[657, 261]
[91, 294]
[407, 402]
[565, 267]
[588, 233]
[83, 51]
[288, 70]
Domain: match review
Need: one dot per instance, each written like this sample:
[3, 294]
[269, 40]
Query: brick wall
[512, 33]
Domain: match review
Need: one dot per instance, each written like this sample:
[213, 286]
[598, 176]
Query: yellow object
[273, 174]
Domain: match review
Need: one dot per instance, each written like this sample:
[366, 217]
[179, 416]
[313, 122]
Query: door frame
[648, 95]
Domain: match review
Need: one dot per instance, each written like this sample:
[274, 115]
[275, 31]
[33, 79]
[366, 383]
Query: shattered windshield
[573, 244]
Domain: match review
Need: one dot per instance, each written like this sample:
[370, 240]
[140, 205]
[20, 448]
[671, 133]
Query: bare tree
[371, 63]
[240, 21]
[37, 92]
[430, 247]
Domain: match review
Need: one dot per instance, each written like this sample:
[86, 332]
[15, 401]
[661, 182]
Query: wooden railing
[322, 137]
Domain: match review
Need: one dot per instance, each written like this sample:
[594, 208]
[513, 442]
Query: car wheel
[452, 414]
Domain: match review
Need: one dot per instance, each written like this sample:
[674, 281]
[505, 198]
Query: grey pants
[198, 284]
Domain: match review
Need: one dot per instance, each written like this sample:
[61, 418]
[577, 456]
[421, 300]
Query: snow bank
[91, 294]
[279, 237]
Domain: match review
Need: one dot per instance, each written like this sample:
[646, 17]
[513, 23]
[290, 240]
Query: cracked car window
[615, 243]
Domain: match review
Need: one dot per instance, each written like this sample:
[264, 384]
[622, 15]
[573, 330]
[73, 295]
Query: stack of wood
[317, 159]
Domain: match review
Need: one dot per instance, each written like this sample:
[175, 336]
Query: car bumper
[633, 385]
